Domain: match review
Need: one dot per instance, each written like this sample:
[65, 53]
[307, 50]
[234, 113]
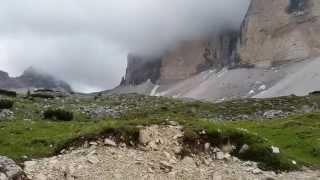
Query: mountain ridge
[32, 79]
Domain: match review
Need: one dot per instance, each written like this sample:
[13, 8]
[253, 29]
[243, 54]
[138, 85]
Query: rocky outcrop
[32, 79]
[9, 170]
[140, 69]
[276, 32]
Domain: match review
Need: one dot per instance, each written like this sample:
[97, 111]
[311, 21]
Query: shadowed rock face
[32, 79]
[140, 69]
[280, 31]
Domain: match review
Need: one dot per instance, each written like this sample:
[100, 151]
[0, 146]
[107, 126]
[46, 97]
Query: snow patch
[154, 90]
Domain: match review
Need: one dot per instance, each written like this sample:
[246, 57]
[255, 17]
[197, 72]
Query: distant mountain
[276, 52]
[32, 79]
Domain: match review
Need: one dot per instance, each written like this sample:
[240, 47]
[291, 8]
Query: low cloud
[86, 42]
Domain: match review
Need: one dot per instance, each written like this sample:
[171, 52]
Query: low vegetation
[8, 93]
[6, 104]
[58, 115]
[297, 135]
[42, 95]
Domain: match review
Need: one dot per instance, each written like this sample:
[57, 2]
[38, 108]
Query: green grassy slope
[297, 136]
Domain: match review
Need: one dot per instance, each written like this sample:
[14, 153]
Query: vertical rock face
[140, 69]
[279, 31]
[188, 58]
[192, 57]
[184, 61]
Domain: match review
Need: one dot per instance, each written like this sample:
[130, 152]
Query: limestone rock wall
[192, 57]
[280, 31]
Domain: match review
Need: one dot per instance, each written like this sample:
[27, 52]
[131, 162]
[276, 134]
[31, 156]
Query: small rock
[153, 146]
[257, 171]
[3, 176]
[294, 162]
[244, 149]
[207, 147]
[168, 156]
[227, 156]
[109, 142]
[93, 143]
[219, 155]
[273, 114]
[93, 159]
[275, 150]
[167, 167]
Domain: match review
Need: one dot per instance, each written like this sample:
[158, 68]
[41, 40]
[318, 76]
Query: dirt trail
[155, 159]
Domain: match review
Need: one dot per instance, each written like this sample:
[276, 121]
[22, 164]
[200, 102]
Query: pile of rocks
[95, 112]
[275, 114]
[6, 114]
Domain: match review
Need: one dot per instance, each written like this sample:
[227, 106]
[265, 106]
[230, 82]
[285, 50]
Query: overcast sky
[85, 42]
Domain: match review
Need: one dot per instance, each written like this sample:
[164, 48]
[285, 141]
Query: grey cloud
[86, 42]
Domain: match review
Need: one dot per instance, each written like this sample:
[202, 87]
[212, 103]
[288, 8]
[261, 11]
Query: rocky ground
[157, 157]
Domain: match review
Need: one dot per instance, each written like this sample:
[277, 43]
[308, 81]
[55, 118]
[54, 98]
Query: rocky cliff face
[188, 58]
[32, 79]
[280, 31]
[192, 57]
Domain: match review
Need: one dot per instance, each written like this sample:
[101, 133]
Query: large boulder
[9, 170]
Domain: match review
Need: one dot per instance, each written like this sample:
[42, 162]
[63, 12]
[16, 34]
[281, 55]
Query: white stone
[275, 150]
[93, 159]
[93, 143]
[3, 176]
[244, 148]
[219, 155]
[294, 162]
[257, 171]
[109, 142]
[227, 156]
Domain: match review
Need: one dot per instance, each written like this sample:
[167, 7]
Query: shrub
[42, 95]
[58, 115]
[6, 104]
[8, 93]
